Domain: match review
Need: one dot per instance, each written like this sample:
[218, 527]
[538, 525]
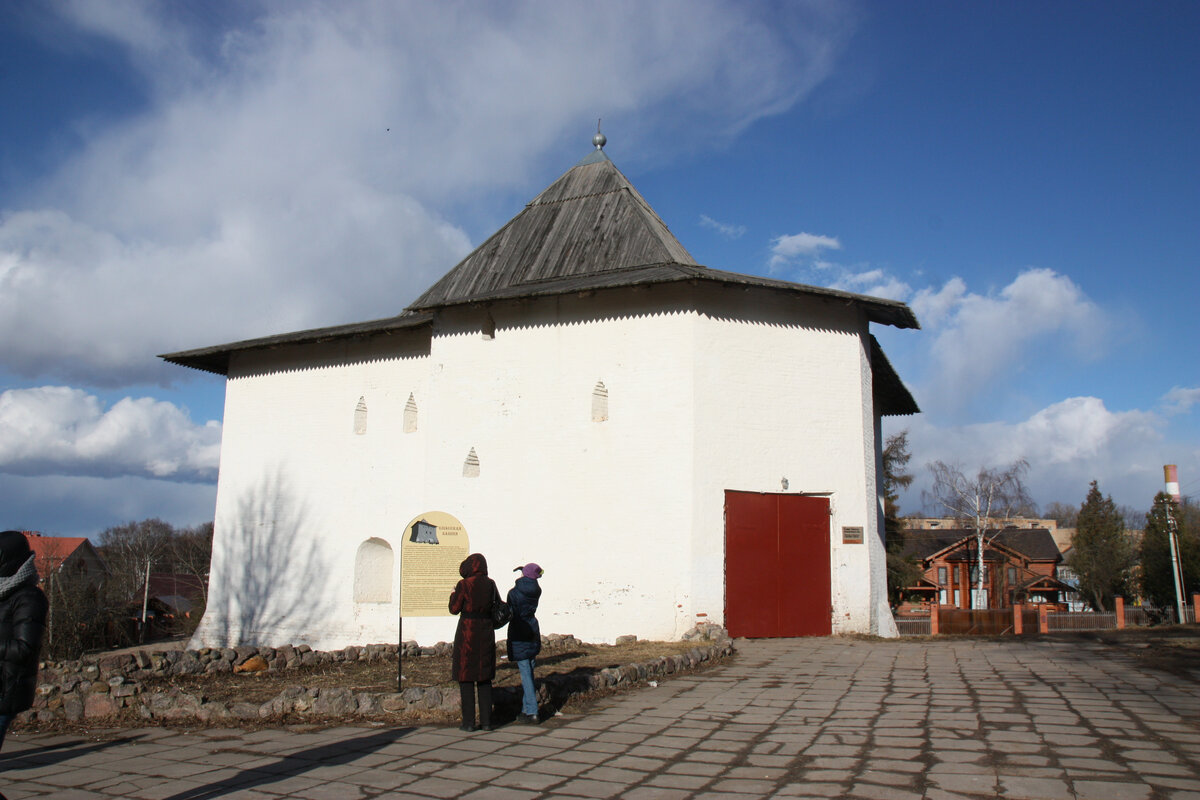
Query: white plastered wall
[299, 490]
[779, 400]
[603, 506]
[625, 515]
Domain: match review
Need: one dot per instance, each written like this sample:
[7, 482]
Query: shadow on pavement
[298, 763]
[54, 753]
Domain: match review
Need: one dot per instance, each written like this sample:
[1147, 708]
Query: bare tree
[985, 502]
[131, 551]
[1065, 514]
[193, 554]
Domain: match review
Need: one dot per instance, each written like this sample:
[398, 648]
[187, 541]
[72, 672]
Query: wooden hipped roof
[589, 230]
[591, 220]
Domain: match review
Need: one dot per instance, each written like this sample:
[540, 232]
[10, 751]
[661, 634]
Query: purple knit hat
[530, 570]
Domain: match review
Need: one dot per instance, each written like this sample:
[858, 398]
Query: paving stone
[582, 787]
[874, 791]
[679, 781]
[811, 790]
[1110, 790]
[1032, 788]
[743, 786]
[979, 783]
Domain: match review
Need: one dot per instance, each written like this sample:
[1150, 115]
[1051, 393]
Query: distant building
[1020, 565]
[67, 557]
[944, 523]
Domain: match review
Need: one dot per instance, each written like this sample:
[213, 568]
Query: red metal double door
[777, 565]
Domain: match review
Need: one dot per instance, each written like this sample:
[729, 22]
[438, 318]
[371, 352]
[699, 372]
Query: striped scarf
[26, 574]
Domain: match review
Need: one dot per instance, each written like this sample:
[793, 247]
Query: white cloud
[723, 228]
[290, 169]
[787, 248]
[934, 306]
[874, 283]
[1068, 444]
[57, 430]
[979, 341]
[1180, 400]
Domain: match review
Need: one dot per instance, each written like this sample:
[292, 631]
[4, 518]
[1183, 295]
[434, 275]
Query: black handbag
[501, 612]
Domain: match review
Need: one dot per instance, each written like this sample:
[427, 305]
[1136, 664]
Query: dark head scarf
[14, 552]
[474, 564]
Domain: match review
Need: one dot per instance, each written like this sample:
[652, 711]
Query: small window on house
[373, 572]
[360, 417]
[471, 465]
[599, 402]
[410, 414]
[1012, 576]
[941, 576]
[942, 596]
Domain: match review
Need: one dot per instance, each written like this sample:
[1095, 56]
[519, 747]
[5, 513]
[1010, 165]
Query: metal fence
[1000, 620]
[913, 626]
[980, 621]
[1137, 617]
[1081, 621]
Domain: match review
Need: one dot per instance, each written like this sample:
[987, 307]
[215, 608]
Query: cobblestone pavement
[786, 718]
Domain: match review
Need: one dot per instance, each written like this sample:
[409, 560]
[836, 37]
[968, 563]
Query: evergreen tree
[1102, 553]
[902, 571]
[1158, 585]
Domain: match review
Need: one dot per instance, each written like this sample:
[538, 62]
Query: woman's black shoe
[468, 728]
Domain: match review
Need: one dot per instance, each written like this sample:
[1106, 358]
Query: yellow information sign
[434, 545]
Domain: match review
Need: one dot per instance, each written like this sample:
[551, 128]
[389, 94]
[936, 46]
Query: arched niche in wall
[373, 572]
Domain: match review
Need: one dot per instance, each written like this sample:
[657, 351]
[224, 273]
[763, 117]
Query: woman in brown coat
[473, 661]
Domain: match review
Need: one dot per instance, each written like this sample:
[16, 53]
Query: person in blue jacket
[525, 636]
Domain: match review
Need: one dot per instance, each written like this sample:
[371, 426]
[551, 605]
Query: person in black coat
[22, 621]
[525, 635]
[473, 659]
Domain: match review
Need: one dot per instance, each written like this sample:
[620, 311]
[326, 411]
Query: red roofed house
[66, 555]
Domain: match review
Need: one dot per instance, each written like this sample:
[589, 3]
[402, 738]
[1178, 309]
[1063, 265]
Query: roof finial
[599, 139]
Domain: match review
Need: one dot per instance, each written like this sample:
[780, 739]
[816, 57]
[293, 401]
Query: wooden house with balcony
[1020, 565]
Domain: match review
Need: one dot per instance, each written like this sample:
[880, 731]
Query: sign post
[433, 547]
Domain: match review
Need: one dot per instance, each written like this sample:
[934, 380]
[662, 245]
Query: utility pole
[1171, 478]
[145, 602]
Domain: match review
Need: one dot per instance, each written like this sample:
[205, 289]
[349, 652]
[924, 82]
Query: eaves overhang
[215, 359]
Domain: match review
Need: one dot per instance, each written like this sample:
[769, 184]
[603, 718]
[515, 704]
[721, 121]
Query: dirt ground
[380, 676]
[1169, 648]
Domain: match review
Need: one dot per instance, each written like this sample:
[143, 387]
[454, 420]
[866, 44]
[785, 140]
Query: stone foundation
[104, 686]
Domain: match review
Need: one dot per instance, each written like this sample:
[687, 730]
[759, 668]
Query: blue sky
[1025, 175]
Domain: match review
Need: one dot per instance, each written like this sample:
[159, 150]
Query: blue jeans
[529, 704]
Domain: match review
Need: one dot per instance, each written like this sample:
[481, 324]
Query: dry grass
[380, 676]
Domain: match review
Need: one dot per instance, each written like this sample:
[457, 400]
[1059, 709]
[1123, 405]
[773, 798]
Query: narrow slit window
[410, 414]
[360, 417]
[471, 465]
[600, 402]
